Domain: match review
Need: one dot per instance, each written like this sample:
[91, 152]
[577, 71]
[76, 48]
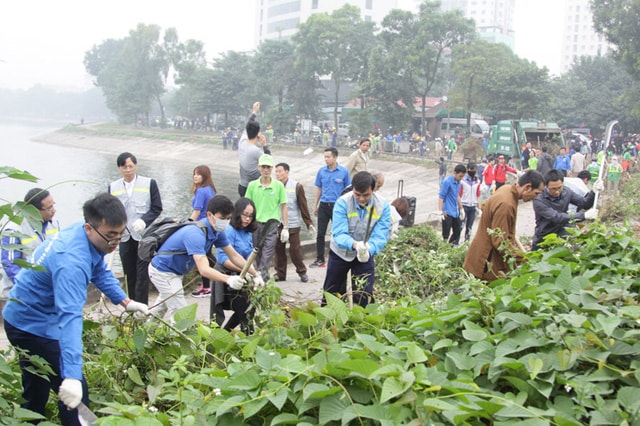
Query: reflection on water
[73, 175]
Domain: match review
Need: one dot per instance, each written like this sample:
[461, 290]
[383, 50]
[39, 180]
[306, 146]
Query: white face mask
[220, 225]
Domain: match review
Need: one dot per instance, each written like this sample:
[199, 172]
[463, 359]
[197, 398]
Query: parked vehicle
[479, 128]
[508, 137]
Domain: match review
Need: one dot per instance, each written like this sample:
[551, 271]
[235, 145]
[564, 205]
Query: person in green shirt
[533, 160]
[613, 175]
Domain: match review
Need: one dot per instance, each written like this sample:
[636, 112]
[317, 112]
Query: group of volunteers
[43, 314]
[561, 197]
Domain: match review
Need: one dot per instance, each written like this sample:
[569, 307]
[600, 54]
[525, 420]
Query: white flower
[217, 392]
[153, 409]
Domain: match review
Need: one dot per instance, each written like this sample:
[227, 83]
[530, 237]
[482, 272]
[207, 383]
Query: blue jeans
[470, 213]
[35, 389]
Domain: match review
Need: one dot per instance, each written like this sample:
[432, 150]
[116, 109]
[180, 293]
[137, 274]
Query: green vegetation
[554, 343]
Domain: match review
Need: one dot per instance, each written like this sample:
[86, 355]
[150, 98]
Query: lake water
[74, 175]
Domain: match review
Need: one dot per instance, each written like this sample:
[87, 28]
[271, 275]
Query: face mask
[220, 225]
[472, 174]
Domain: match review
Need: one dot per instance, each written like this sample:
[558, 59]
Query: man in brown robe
[496, 240]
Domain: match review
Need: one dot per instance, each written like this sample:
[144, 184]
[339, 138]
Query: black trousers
[325, 213]
[136, 272]
[35, 389]
[451, 226]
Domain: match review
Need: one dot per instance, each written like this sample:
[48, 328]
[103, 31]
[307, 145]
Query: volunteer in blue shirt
[189, 246]
[350, 249]
[331, 180]
[44, 313]
[450, 205]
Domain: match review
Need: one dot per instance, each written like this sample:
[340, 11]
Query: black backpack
[158, 232]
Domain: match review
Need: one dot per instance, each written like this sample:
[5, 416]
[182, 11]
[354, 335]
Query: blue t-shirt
[201, 200]
[332, 182]
[191, 240]
[240, 239]
[449, 194]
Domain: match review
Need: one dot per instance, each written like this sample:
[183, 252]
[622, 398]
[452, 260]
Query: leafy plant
[418, 264]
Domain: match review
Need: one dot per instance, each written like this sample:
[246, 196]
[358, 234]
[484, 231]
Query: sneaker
[277, 278]
[318, 264]
[202, 292]
[304, 278]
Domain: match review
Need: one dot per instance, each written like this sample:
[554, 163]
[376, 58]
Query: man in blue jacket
[355, 214]
[450, 205]
[44, 313]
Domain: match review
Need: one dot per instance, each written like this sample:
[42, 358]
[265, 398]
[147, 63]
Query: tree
[132, 72]
[336, 45]
[491, 79]
[618, 21]
[418, 43]
[593, 92]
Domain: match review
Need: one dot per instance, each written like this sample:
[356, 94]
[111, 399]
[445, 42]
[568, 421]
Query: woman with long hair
[203, 189]
[243, 224]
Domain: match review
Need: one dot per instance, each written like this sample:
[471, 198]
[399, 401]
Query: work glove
[440, 215]
[598, 186]
[70, 393]
[235, 282]
[134, 307]
[462, 214]
[284, 235]
[138, 226]
[313, 232]
[258, 282]
[362, 250]
[591, 214]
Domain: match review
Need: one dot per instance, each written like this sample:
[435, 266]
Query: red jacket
[500, 172]
[487, 174]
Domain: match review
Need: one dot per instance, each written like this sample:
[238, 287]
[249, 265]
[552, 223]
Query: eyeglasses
[48, 209]
[555, 189]
[246, 215]
[110, 242]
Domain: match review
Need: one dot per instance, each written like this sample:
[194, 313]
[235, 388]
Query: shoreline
[417, 180]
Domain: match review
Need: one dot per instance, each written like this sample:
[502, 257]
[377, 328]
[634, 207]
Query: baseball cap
[265, 160]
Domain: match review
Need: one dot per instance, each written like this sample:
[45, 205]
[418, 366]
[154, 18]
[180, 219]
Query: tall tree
[132, 72]
[492, 80]
[593, 92]
[417, 44]
[336, 45]
[618, 21]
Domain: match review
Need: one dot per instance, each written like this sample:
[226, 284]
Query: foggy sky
[43, 42]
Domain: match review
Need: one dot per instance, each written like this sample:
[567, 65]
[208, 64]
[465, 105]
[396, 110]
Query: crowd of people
[43, 313]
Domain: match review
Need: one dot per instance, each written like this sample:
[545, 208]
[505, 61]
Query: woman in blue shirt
[243, 224]
[203, 190]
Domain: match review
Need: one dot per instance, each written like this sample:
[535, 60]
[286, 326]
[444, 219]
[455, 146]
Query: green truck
[508, 137]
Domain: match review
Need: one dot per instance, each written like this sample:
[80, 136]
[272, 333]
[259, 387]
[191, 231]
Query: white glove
[462, 214]
[138, 226]
[134, 306]
[70, 393]
[598, 186]
[284, 235]
[591, 214]
[235, 282]
[440, 214]
[478, 212]
[362, 250]
[313, 232]
[258, 282]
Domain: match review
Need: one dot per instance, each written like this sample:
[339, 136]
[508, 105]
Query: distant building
[279, 19]
[579, 37]
[494, 18]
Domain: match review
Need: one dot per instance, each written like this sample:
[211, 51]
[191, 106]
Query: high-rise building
[279, 19]
[579, 37]
[494, 18]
